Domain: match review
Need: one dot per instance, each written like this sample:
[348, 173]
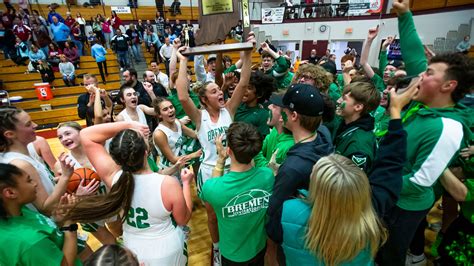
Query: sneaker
[216, 257]
[415, 260]
[121, 69]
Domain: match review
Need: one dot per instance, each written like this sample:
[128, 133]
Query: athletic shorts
[205, 173]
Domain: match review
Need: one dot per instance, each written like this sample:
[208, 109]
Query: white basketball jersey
[47, 179]
[175, 141]
[141, 116]
[148, 230]
[209, 131]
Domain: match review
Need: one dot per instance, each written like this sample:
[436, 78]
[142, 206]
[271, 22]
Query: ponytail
[128, 150]
[8, 174]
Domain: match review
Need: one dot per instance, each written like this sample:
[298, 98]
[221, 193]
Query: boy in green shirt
[277, 66]
[437, 128]
[354, 137]
[278, 142]
[251, 110]
[240, 198]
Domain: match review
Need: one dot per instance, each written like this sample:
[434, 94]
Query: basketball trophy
[216, 19]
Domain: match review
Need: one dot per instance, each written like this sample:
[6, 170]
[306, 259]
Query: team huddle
[295, 165]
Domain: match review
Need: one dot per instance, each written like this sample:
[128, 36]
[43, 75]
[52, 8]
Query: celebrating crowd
[295, 165]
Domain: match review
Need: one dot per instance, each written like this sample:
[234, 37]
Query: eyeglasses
[306, 77]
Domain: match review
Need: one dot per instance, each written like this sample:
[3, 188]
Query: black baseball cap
[301, 98]
[395, 63]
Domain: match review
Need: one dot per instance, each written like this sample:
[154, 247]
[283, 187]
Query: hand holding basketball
[87, 189]
[83, 177]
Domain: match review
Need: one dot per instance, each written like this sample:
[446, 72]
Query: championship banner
[121, 9]
[273, 15]
[360, 7]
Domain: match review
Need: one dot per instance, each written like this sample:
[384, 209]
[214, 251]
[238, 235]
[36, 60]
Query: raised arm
[364, 57]
[183, 94]
[383, 54]
[246, 57]
[93, 139]
[410, 44]
[173, 61]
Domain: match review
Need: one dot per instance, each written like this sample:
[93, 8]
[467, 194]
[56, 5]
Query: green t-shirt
[30, 239]
[256, 116]
[272, 143]
[378, 82]
[240, 201]
[334, 92]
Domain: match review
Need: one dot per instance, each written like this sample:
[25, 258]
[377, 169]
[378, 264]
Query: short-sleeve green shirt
[256, 116]
[240, 201]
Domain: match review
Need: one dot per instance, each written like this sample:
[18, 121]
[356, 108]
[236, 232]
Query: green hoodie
[280, 71]
[435, 136]
[273, 142]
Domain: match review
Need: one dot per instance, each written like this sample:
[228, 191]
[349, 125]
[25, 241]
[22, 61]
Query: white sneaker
[121, 69]
[415, 260]
[216, 257]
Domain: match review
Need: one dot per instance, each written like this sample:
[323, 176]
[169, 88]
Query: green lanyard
[405, 117]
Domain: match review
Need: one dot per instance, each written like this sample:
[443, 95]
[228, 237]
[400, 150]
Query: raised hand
[185, 120]
[187, 176]
[66, 203]
[229, 79]
[400, 99]
[89, 189]
[147, 86]
[176, 43]
[221, 150]
[388, 41]
[373, 32]
[67, 165]
[401, 6]
[180, 55]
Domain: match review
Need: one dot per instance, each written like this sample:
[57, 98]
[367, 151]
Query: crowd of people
[295, 165]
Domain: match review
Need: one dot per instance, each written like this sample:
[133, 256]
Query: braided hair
[128, 150]
[8, 121]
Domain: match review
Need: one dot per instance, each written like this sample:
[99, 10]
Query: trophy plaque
[216, 19]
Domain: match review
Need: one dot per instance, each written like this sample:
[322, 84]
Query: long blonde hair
[342, 221]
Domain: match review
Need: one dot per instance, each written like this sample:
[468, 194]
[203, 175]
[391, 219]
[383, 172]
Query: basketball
[77, 175]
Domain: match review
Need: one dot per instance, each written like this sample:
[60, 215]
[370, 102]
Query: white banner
[121, 9]
[273, 15]
[359, 7]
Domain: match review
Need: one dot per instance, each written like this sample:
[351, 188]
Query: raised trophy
[216, 19]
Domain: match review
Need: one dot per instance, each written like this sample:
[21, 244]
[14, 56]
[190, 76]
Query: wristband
[70, 228]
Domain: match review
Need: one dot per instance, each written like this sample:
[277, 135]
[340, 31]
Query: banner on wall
[273, 15]
[359, 7]
[121, 9]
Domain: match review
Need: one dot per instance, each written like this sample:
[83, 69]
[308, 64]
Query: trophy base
[218, 48]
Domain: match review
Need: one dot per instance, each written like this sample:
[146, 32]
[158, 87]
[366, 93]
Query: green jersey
[274, 142]
[30, 239]
[256, 116]
[240, 201]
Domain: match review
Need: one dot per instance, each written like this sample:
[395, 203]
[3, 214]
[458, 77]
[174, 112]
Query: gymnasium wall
[429, 27]
[116, 2]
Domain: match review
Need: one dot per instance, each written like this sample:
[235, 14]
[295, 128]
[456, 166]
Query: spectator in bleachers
[20, 55]
[7, 41]
[60, 32]
[77, 38]
[160, 77]
[35, 16]
[165, 54]
[23, 16]
[175, 8]
[82, 23]
[170, 34]
[160, 24]
[120, 43]
[150, 26]
[71, 53]
[177, 28]
[136, 40]
[97, 29]
[52, 13]
[98, 52]
[68, 71]
[115, 22]
[85, 102]
[158, 89]
[69, 21]
[7, 18]
[35, 55]
[107, 32]
[53, 55]
[40, 37]
[141, 27]
[21, 30]
[46, 71]
[167, 23]
[152, 43]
